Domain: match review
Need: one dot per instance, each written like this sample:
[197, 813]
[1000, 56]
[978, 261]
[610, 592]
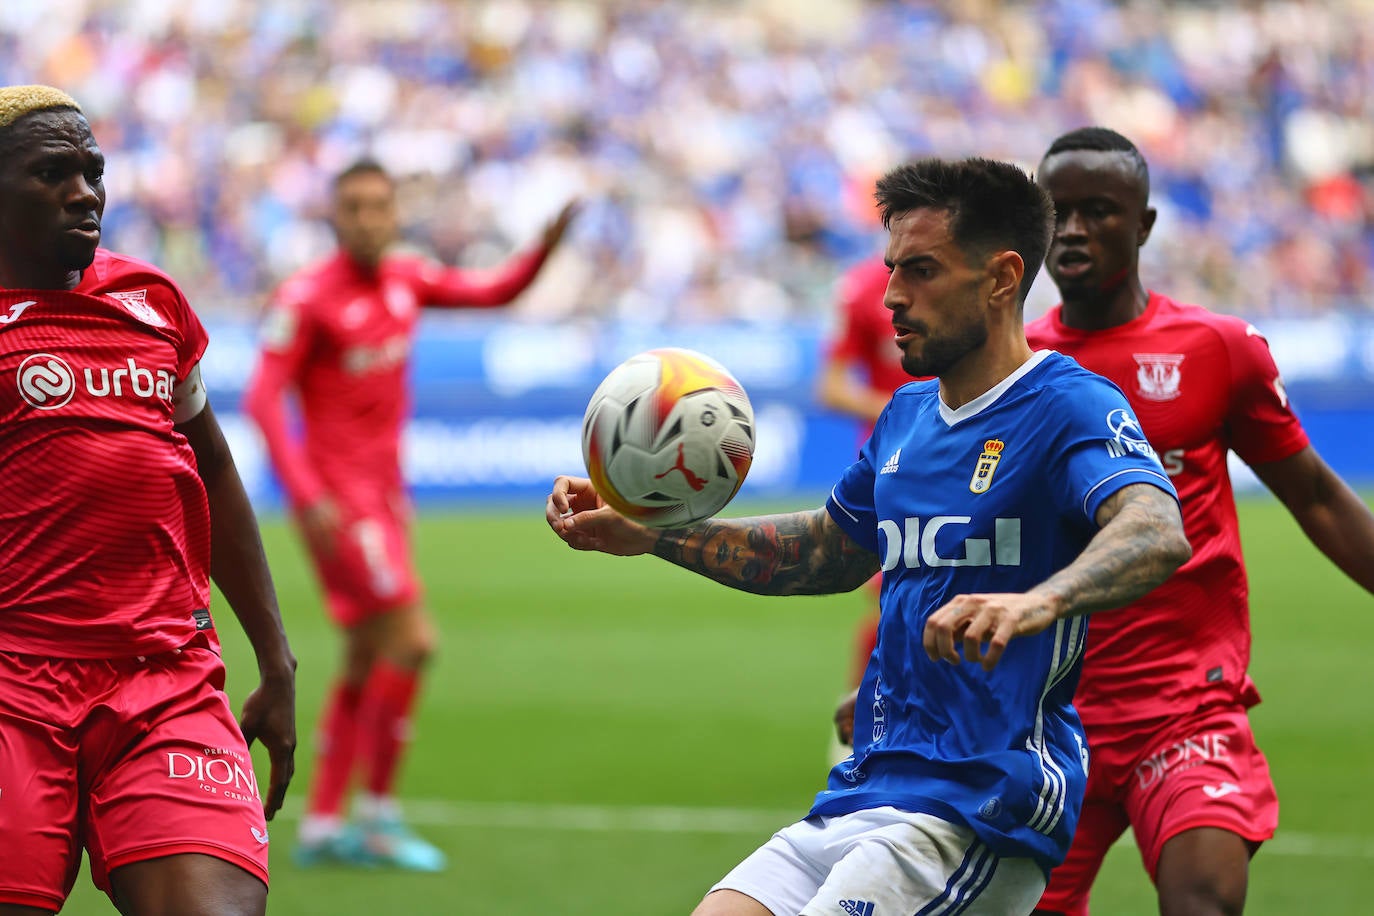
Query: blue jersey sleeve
[851, 500]
[1102, 447]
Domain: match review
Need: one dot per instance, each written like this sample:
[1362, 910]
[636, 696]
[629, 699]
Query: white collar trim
[952, 416]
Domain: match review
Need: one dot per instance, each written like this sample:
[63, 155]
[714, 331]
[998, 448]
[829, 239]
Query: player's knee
[1202, 893]
[188, 885]
[414, 646]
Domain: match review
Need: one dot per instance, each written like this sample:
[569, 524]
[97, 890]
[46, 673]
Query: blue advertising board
[498, 403]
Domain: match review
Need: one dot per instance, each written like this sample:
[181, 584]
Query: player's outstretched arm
[799, 553]
[1139, 545]
[553, 233]
[1332, 516]
[238, 566]
[837, 389]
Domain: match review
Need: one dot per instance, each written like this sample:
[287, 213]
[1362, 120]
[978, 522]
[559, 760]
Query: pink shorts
[371, 570]
[1202, 770]
[131, 759]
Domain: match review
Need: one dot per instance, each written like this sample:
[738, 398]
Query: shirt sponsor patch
[1127, 436]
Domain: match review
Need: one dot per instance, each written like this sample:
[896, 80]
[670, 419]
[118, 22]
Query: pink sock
[384, 724]
[336, 745]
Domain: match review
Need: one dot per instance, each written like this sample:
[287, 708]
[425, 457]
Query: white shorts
[884, 862]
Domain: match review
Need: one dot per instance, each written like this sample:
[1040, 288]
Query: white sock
[369, 807]
[316, 828]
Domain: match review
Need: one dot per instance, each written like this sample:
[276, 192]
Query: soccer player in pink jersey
[338, 337]
[116, 736]
[1164, 691]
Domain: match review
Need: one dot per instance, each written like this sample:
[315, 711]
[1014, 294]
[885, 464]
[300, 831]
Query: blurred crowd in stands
[726, 151]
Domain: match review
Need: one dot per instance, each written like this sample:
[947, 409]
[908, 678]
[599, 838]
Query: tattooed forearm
[1140, 544]
[801, 553]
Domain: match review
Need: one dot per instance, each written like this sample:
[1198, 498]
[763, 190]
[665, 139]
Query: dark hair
[1102, 140]
[365, 166]
[993, 206]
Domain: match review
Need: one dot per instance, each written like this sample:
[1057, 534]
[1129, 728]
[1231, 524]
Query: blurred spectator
[726, 150]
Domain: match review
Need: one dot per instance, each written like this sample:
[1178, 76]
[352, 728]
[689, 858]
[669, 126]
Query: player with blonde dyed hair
[17, 101]
[116, 736]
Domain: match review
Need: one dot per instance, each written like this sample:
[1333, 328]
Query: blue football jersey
[995, 496]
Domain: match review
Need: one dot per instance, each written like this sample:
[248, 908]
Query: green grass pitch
[609, 736]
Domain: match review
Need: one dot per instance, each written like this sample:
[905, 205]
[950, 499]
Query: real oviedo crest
[987, 464]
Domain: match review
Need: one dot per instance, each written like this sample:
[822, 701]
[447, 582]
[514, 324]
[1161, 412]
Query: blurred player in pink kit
[338, 338]
[116, 736]
[1164, 691]
[860, 369]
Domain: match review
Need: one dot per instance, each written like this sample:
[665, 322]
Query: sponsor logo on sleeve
[1127, 437]
[279, 328]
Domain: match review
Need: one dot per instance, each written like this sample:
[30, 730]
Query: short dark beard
[940, 354]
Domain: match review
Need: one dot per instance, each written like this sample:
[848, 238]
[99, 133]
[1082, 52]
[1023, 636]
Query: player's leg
[1202, 805]
[730, 903]
[401, 638]
[405, 639]
[321, 835]
[782, 874]
[187, 885]
[174, 818]
[1204, 872]
[1099, 826]
[40, 839]
[899, 862]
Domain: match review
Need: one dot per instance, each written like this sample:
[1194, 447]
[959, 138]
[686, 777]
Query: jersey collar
[952, 416]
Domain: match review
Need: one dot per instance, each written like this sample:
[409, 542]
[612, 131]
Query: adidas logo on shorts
[857, 907]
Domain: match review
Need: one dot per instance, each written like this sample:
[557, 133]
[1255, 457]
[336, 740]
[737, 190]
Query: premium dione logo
[46, 381]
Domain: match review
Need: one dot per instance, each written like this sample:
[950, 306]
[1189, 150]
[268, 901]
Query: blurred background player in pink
[860, 368]
[338, 338]
[121, 501]
[1165, 688]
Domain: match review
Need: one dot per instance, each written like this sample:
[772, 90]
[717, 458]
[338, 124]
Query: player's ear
[1147, 222]
[1005, 268]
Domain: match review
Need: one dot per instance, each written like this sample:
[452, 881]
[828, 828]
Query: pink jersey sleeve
[286, 342]
[1262, 423]
[453, 287]
[194, 338]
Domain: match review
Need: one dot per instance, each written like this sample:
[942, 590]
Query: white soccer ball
[668, 437]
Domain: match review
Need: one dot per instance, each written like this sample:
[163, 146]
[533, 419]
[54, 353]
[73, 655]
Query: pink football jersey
[1201, 384]
[340, 337]
[106, 529]
[865, 335]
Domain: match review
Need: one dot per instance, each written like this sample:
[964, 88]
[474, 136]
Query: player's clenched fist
[984, 624]
[577, 514]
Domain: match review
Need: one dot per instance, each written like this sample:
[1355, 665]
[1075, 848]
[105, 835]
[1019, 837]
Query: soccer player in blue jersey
[1002, 501]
